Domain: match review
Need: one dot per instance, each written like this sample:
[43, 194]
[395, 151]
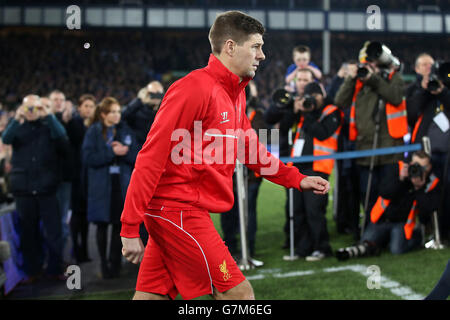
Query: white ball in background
[87, 45]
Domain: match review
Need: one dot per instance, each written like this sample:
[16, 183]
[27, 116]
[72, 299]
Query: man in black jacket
[38, 141]
[410, 191]
[405, 191]
[273, 116]
[428, 115]
[312, 125]
[140, 113]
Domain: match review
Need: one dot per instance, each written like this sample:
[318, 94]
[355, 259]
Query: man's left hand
[316, 184]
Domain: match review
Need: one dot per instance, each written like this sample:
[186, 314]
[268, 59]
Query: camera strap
[299, 141]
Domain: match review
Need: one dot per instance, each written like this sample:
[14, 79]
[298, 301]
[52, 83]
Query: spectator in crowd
[275, 115]
[230, 220]
[140, 113]
[5, 159]
[428, 115]
[34, 179]
[62, 109]
[302, 60]
[348, 204]
[409, 190]
[377, 114]
[109, 150]
[139, 116]
[76, 130]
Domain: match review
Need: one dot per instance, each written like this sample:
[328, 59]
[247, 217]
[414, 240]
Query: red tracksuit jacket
[189, 156]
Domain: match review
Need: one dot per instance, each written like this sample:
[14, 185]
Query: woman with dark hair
[76, 129]
[109, 151]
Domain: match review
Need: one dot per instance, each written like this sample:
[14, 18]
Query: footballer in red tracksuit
[183, 172]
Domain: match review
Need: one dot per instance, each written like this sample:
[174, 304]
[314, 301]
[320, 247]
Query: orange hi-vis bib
[397, 121]
[324, 147]
[381, 205]
[416, 129]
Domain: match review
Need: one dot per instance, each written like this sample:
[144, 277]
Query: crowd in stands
[404, 5]
[118, 63]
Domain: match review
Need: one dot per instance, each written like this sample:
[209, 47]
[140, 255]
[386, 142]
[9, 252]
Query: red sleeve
[259, 160]
[182, 104]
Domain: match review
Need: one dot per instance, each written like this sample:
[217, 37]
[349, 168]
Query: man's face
[155, 87]
[301, 59]
[426, 165]
[87, 109]
[303, 78]
[57, 101]
[248, 56]
[423, 65]
[31, 108]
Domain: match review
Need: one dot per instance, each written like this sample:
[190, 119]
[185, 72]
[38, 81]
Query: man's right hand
[133, 249]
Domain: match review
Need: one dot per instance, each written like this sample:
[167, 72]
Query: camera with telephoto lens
[378, 53]
[310, 102]
[283, 99]
[440, 71]
[415, 170]
[366, 248]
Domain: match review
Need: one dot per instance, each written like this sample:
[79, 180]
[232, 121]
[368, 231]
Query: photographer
[428, 106]
[348, 202]
[284, 116]
[317, 128]
[409, 191]
[140, 113]
[374, 95]
[38, 141]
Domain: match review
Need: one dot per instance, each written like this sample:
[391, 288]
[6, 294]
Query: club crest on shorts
[224, 270]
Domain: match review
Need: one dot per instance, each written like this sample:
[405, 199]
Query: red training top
[189, 156]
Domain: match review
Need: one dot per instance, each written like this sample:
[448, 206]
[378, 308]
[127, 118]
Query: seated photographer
[410, 191]
[428, 105]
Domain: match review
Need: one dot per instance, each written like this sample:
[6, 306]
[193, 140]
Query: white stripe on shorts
[204, 257]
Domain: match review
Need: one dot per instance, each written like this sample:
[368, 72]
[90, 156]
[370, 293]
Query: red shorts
[185, 255]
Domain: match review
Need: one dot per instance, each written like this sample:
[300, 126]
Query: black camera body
[310, 102]
[283, 99]
[439, 71]
[362, 71]
[415, 170]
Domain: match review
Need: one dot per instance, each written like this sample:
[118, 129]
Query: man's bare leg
[242, 291]
[139, 295]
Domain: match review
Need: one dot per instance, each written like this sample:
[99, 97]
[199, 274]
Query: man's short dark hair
[233, 25]
[301, 49]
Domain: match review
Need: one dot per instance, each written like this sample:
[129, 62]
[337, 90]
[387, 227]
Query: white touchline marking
[293, 274]
[396, 288]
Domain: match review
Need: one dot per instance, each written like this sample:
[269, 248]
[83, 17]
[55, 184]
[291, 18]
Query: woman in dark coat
[109, 151]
